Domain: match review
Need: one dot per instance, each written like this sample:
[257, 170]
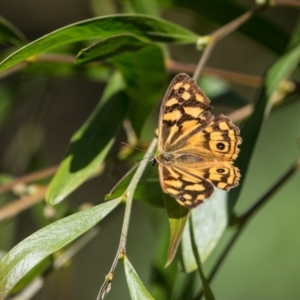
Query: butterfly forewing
[196, 150]
[182, 111]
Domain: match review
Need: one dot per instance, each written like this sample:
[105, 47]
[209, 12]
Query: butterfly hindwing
[187, 189]
[219, 139]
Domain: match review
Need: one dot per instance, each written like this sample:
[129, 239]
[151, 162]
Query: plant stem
[207, 291]
[44, 173]
[233, 25]
[128, 197]
[220, 34]
[130, 192]
[203, 59]
[17, 206]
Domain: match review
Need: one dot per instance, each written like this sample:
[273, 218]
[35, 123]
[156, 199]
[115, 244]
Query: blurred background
[40, 113]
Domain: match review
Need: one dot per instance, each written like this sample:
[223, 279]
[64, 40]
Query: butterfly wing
[189, 190]
[196, 150]
[184, 109]
[191, 183]
[218, 140]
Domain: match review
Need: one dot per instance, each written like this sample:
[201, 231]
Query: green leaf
[279, 71]
[148, 189]
[90, 144]
[209, 223]
[122, 185]
[295, 39]
[184, 286]
[136, 288]
[33, 274]
[110, 47]
[163, 280]
[60, 70]
[9, 34]
[178, 216]
[144, 74]
[150, 28]
[31, 251]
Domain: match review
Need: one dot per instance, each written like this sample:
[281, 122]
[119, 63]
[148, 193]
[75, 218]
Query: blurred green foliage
[99, 80]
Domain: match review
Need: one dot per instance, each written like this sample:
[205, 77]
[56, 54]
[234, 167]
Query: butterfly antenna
[151, 157]
[133, 147]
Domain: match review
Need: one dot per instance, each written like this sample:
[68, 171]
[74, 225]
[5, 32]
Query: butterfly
[195, 149]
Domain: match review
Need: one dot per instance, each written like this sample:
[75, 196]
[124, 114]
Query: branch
[128, 198]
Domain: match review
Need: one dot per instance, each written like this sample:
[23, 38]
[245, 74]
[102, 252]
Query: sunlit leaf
[110, 47]
[90, 144]
[279, 71]
[31, 251]
[136, 288]
[148, 189]
[209, 223]
[177, 215]
[121, 185]
[150, 28]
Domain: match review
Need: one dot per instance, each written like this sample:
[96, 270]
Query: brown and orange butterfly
[195, 149]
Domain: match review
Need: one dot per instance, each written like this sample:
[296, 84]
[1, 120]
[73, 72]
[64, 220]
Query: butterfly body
[196, 149]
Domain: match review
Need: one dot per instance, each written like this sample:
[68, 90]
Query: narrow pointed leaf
[148, 189]
[136, 287]
[144, 74]
[150, 28]
[209, 222]
[9, 34]
[31, 251]
[177, 215]
[279, 71]
[90, 144]
[110, 47]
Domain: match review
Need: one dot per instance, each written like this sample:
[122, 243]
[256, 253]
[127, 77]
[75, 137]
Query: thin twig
[233, 25]
[294, 3]
[28, 178]
[128, 197]
[212, 39]
[14, 208]
[203, 59]
[13, 69]
[234, 77]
